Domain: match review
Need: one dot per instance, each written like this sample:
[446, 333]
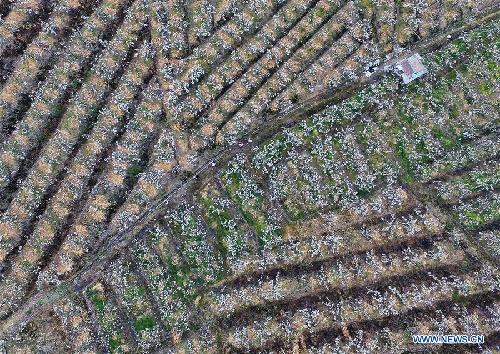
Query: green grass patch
[58, 111]
[251, 208]
[438, 58]
[366, 6]
[179, 277]
[362, 192]
[294, 212]
[486, 87]
[403, 156]
[462, 68]
[144, 322]
[97, 300]
[459, 46]
[422, 150]
[475, 218]
[320, 12]
[74, 84]
[219, 218]
[293, 97]
[451, 77]
[447, 142]
[413, 87]
[492, 66]
[459, 298]
[481, 180]
[133, 171]
[200, 264]
[259, 224]
[115, 342]
[454, 112]
[134, 292]
[439, 94]
[361, 134]
[403, 114]
[298, 215]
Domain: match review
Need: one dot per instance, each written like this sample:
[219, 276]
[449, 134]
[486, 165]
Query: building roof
[411, 68]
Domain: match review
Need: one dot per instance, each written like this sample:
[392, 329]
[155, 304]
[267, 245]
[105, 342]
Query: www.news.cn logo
[448, 339]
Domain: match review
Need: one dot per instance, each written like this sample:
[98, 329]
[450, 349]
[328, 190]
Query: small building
[411, 68]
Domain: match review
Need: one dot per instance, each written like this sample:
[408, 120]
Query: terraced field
[247, 176]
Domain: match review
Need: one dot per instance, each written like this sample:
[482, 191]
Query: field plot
[247, 176]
